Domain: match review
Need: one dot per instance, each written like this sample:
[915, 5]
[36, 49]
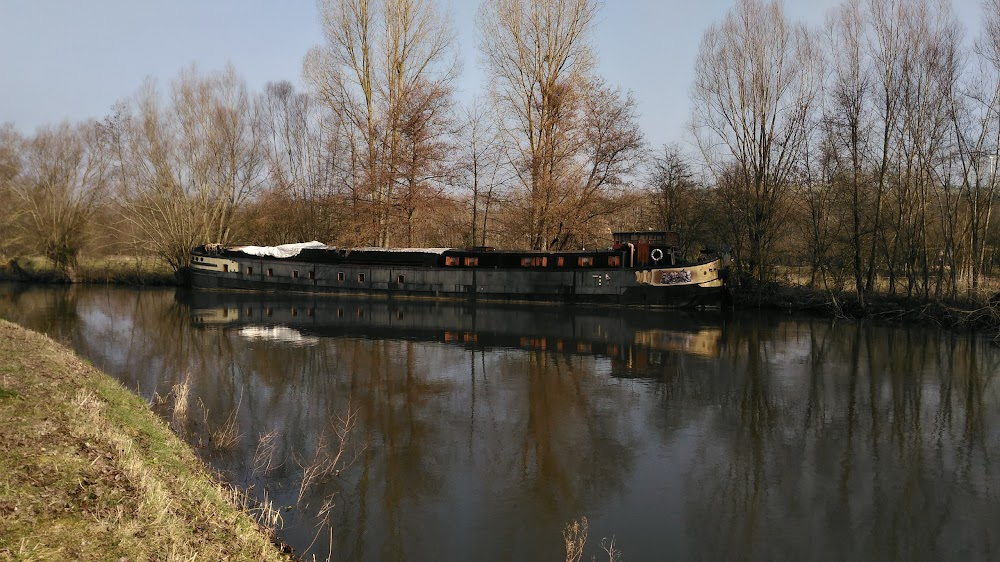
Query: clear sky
[73, 59]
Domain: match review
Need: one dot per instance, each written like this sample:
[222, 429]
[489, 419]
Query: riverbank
[968, 313]
[109, 270]
[957, 314]
[88, 472]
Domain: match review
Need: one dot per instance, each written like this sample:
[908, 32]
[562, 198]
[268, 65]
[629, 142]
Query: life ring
[656, 254]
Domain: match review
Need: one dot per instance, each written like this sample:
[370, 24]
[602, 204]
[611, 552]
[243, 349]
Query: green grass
[88, 472]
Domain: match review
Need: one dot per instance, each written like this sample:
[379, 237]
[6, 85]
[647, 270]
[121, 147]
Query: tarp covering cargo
[282, 251]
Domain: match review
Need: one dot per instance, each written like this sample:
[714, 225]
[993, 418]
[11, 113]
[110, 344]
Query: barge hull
[615, 286]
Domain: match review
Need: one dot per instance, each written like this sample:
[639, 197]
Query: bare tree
[155, 210]
[9, 153]
[673, 180]
[377, 56]
[887, 45]
[573, 139]
[609, 148]
[61, 185]
[753, 94]
[538, 53]
[421, 169]
[928, 75]
[305, 157]
[679, 198]
[184, 170]
[220, 147]
[847, 125]
[479, 168]
[977, 125]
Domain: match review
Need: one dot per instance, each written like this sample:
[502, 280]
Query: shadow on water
[482, 430]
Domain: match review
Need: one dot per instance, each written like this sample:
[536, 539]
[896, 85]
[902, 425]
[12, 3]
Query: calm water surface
[482, 431]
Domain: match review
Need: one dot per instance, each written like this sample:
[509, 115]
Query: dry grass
[609, 548]
[182, 398]
[792, 276]
[980, 310]
[87, 472]
[262, 510]
[228, 434]
[575, 540]
[204, 432]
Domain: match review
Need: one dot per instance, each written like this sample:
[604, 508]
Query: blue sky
[73, 59]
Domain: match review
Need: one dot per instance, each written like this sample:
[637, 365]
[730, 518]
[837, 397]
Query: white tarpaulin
[282, 251]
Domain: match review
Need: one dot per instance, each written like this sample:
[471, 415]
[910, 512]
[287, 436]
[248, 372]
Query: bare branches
[184, 170]
[479, 168]
[385, 72]
[573, 139]
[330, 459]
[58, 185]
[307, 164]
[754, 93]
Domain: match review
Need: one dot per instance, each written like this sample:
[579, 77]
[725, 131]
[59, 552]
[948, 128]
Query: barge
[640, 269]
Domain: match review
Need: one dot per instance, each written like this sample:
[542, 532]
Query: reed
[263, 456]
[179, 413]
[227, 435]
[575, 541]
[575, 538]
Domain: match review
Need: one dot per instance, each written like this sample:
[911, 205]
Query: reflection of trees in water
[840, 441]
[516, 431]
[393, 389]
[50, 310]
[438, 420]
[573, 449]
[556, 440]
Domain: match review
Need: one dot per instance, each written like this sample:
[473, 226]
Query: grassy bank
[110, 270]
[88, 472]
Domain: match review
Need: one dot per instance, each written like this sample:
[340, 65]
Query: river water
[480, 432]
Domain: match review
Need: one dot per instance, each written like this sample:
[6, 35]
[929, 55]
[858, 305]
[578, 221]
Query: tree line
[862, 151]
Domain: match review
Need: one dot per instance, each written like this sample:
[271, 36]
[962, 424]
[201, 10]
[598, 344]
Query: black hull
[595, 286]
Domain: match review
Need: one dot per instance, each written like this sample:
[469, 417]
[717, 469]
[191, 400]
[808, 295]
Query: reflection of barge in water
[641, 268]
[634, 339]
